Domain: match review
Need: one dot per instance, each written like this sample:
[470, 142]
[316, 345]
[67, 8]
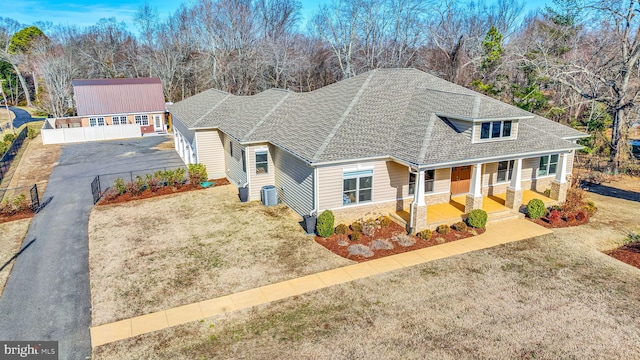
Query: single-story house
[387, 140]
[110, 109]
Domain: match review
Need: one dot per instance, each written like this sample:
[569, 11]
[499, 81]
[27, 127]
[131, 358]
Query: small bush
[324, 226]
[571, 217]
[590, 207]
[555, 207]
[477, 219]
[547, 193]
[356, 227]
[120, 186]
[20, 202]
[31, 133]
[341, 229]
[425, 235]
[403, 240]
[380, 245]
[360, 249]
[132, 189]
[554, 217]
[384, 221]
[368, 228]
[443, 229]
[8, 137]
[536, 209]
[197, 174]
[140, 183]
[152, 182]
[581, 215]
[175, 178]
[459, 226]
[632, 238]
[355, 236]
[6, 208]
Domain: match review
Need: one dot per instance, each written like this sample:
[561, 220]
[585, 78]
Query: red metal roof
[118, 96]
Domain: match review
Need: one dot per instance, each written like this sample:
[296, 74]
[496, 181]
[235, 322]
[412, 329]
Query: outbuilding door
[157, 122]
[460, 179]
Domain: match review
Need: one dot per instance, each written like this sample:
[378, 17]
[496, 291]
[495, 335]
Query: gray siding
[188, 134]
[234, 163]
[294, 180]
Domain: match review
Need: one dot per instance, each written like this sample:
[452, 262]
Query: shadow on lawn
[17, 254]
[611, 191]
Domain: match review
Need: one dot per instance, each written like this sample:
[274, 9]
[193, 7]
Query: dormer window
[495, 129]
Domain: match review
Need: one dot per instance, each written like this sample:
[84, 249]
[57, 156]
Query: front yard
[163, 252]
[556, 296]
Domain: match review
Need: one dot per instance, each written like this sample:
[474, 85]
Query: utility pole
[6, 104]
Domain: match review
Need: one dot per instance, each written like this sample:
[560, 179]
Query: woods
[575, 62]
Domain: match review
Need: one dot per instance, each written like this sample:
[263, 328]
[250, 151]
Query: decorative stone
[472, 203]
[559, 191]
[419, 217]
[513, 199]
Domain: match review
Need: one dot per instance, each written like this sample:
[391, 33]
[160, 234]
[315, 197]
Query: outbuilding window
[142, 120]
[96, 121]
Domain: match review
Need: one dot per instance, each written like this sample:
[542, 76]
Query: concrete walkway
[497, 233]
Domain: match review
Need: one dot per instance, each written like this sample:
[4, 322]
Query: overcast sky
[87, 13]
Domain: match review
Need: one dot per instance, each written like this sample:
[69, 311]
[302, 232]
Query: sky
[86, 12]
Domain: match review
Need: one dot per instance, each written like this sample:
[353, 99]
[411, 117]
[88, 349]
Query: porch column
[474, 197]
[418, 215]
[559, 185]
[175, 142]
[514, 190]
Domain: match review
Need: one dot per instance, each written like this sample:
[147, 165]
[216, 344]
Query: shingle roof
[384, 112]
[118, 96]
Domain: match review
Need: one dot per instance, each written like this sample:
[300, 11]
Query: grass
[556, 296]
[11, 236]
[153, 254]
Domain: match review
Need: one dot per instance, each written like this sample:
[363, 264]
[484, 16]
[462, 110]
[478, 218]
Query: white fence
[51, 135]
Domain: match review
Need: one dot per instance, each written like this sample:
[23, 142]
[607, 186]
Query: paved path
[22, 117]
[47, 295]
[497, 233]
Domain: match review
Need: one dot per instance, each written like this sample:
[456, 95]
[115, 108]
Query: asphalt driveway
[47, 296]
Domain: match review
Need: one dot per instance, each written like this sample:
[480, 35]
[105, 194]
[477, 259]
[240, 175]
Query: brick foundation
[472, 202]
[349, 214]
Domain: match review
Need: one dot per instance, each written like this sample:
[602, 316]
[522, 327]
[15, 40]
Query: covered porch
[454, 210]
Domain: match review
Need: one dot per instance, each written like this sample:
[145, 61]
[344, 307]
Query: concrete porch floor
[453, 211]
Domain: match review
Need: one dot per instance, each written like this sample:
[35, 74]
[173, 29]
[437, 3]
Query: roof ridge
[211, 110]
[264, 118]
[338, 124]
[427, 139]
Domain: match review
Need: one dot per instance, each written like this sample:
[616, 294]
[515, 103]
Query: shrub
[581, 215]
[341, 229]
[8, 137]
[152, 182]
[3, 147]
[459, 226]
[384, 221]
[590, 207]
[197, 174]
[360, 249]
[140, 183]
[554, 217]
[368, 228]
[356, 227]
[20, 203]
[536, 209]
[132, 189]
[120, 186]
[547, 193]
[174, 178]
[632, 238]
[380, 245]
[443, 229]
[574, 200]
[571, 217]
[355, 236]
[478, 218]
[31, 133]
[403, 240]
[324, 226]
[6, 208]
[424, 234]
[555, 207]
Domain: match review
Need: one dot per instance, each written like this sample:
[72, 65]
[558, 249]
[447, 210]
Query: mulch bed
[629, 254]
[543, 221]
[24, 214]
[165, 190]
[332, 243]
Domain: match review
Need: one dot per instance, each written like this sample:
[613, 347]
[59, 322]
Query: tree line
[575, 61]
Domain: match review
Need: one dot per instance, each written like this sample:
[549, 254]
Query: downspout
[246, 161]
[316, 190]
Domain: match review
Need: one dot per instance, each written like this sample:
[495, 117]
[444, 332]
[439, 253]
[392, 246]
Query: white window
[142, 120]
[262, 162]
[548, 165]
[357, 187]
[429, 177]
[96, 121]
[495, 129]
[119, 120]
[505, 170]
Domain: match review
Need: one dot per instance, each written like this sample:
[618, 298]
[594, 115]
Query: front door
[460, 179]
[157, 122]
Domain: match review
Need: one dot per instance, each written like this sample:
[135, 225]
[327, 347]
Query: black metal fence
[27, 192]
[103, 182]
[10, 154]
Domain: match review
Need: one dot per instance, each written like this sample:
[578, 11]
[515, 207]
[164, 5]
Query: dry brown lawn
[11, 236]
[163, 252]
[551, 297]
[167, 145]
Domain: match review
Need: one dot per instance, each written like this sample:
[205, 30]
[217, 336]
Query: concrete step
[504, 215]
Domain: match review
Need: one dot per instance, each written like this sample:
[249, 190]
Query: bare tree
[57, 68]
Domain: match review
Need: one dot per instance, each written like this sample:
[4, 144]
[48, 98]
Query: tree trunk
[617, 140]
[35, 82]
[27, 95]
